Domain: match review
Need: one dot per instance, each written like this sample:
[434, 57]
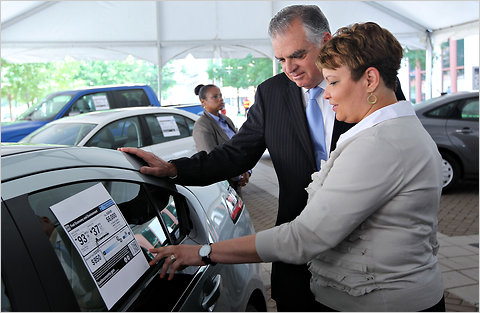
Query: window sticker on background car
[101, 102]
[100, 233]
[168, 125]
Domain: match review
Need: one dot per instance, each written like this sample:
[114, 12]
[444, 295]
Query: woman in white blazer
[368, 231]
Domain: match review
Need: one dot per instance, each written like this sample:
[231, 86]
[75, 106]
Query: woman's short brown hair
[361, 46]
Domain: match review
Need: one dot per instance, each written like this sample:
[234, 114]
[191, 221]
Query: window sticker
[104, 240]
[101, 102]
[168, 125]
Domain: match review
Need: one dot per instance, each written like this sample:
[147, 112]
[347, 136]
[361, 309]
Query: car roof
[105, 87]
[107, 116]
[20, 160]
[428, 104]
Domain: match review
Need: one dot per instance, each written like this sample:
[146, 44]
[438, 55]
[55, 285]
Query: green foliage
[29, 82]
[241, 73]
[413, 56]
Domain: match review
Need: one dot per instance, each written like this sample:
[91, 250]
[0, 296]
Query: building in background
[455, 67]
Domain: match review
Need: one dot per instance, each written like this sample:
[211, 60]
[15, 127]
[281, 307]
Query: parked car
[165, 132]
[195, 108]
[73, 102]
[452, 121]
[47, 267]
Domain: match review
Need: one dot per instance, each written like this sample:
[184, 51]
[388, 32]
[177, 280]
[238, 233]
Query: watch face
[205, 250]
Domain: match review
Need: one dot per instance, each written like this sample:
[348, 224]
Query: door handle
[465, 130]
[209, 301]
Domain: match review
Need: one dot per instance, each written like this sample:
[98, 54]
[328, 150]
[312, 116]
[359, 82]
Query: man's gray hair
[313, 20]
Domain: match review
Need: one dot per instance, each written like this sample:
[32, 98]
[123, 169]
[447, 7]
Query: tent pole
[159, 52]
[428, 66]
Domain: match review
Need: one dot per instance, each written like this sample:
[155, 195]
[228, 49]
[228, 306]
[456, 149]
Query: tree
[29, 82]
[240, 73]
[415, 56]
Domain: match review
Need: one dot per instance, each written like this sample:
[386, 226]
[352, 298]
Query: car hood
[15, 131]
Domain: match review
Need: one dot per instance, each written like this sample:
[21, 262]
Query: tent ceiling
[38, 31]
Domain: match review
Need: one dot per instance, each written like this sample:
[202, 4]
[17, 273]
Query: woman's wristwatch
[204, 252]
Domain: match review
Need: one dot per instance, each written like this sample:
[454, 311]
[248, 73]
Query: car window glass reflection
[139, 212]
[170, 217]
[442, 112]
[470, 110]
[158, 134]
[122, 133]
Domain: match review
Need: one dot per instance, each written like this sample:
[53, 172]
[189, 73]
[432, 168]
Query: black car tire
[450, 172]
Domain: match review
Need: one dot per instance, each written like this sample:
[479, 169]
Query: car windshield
[62, 134]
[45, 110]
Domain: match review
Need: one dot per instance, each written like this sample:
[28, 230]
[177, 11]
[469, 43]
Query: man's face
[297, 56]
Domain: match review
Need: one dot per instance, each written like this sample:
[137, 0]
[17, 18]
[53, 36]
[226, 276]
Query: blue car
[73, 102]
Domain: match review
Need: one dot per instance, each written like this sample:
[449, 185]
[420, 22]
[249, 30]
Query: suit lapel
[217, 127]
[297, 111]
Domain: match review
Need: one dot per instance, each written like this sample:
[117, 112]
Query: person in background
[368, 231]
[213, 128]
[246, 105]
[277, 121]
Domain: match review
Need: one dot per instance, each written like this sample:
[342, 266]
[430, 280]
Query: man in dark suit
[276, 121]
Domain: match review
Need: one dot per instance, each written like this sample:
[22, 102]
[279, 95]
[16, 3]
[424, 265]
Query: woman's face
[213, 101]
[347, 97]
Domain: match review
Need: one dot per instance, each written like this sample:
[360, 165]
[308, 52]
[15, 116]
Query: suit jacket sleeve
[230, 159]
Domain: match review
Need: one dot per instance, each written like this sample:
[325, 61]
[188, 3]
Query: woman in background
[213, 128]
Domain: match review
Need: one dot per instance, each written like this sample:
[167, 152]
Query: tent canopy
[159, 31]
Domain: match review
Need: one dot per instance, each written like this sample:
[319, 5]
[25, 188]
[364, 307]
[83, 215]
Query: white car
[163, 131]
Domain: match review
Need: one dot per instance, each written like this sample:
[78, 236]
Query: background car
[165, 132]
[452, 121]
[44, 274]
[73, 102]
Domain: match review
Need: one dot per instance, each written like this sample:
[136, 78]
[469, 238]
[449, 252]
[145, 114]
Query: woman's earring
[372, 101]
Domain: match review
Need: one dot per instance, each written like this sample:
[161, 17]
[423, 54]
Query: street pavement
[457, 234]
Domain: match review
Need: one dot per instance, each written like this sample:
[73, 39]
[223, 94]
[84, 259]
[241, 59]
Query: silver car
[51, 262]
[163, 131]
[452, 121]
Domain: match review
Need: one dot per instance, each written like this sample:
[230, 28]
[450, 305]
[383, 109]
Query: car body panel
[32, 169]
[464, 136]
[452, 122]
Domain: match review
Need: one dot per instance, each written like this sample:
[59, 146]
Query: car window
[61, 134]
[122, 133]
[150, 227]
[130, 98]
[443, 111]
[91, 102]
[469, 110]
[167, 127]
[190, 124]
[46, 109]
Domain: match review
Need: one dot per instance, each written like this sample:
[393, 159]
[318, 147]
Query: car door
[462, 130]
[156, 213]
